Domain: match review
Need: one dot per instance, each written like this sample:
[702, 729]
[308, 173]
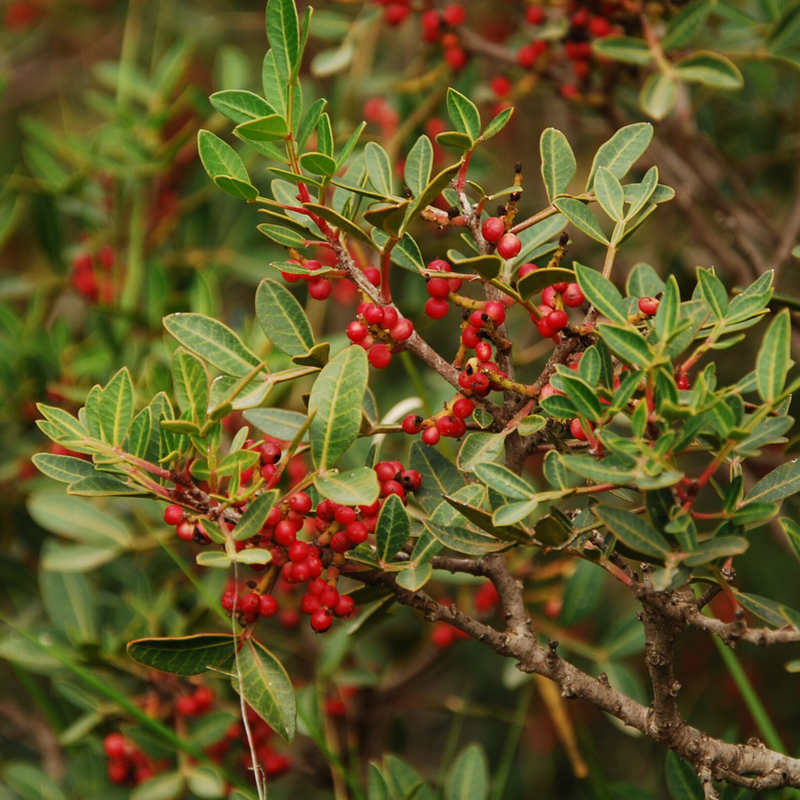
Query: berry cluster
[126, 763]
[439, 289]
[507, 245]
[553, 318]
[449, 422]
[318, 287]
[332, 526]
[380, 331]
[272, 762]
[91, 274]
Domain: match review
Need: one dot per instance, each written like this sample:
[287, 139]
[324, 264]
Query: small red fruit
[173, 515]
[379, 356]
[577, 430]
[493, 229]
[509, 246]
[573, 296]
[321, 620]
[437, 309]
[454, 14]
[648, 305]
[267, 606]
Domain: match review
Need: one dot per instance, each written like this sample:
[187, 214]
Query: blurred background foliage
[108, 222]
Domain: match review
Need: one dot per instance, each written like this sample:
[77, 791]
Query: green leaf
[28, 782]
[539, 279]
[778, 484]
[468, 778]
[669, 311]
[622, 150]
[379, 168]
[627, 49]
[80, 520]
[638, 194]
[237, 188]
[392, 530]
[167, 786]
[775, 614]
[439, 476]
[336, 399]
[713, 292]
[206, 782]
[774, 357]
[710, 69]
[792, 531]
[479, 447]
[283, 32]
[417, 170]
[71, 605]
[610, 194]
[66, 469]
[283, 319]
[463, 540]
[583, 397]
[682, 781]
[432, 191]
[185, 655]
[581, 217]
[558, 162]
[214, 342]
[355, 487]
[277, 422]
[633, 531]
[116, 407]
[487, 267]
[266, 687]
[658, 95]
[220, 159]
[104, 486]
[644, 281]
[503, 480]
[497, 124]
[687, 23]
[606, 471]
[341, 222]
[214, 559]
[601, 293]
[559, 406]
[318, 164]
[190, 381]
[719, 547]
[264, 129]
[627, 343]
[256, 515]
[454, 139]
[253, 555]
[514, 512]
[240, 106]
[463, 114]
[530, 425]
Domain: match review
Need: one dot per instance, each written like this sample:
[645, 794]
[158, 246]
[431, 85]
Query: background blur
[108, 222]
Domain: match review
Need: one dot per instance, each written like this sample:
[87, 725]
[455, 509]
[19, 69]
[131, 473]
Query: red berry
[392, 487]
[470, 337]
[356, 532]
[118, 771]
[577, 430]
[395, 13]
[557, 320]
[411, 424]
[301, 572]
[509, 246]
[493, 229]
[683, 383]
[549, 296]
[545, 330]
[340, 543]
[501, 86]
[430, 26]
[309, 603]
[496, 311]
[203, 697]
[402, 330]
[379, 356]
[569, 91]
[298, 551]
[173, 515]
[599, 26]
[437, 309]
[580, 19]
[455, 57]
[249, 603]
[573, 296]
[463, 407]
[285, 533]
[186, 706]
[229, 600]
[115, 746]
[373, 314]
[526, 269]
[185, 531]
[356, 331]
[345, 606]
[438, 287]
[439, 265]
[431, 435]
[300, 502]
[328, 596]
[373, 275]
[321, 620]
[534, 15]
[454, 14]
[648, 305]
[319, 288]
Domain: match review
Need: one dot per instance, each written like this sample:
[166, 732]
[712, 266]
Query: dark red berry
[493, 229]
